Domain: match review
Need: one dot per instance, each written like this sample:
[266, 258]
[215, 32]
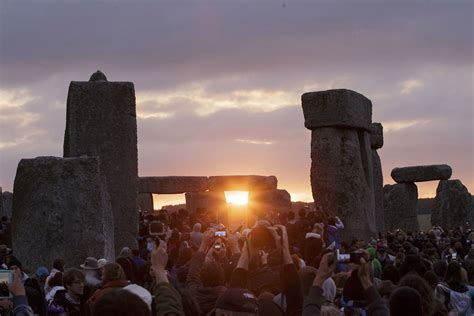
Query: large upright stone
[376, 142]
[145, 201]
[341, 158]
[421, 173]
[242, 183]
[7, 204]
[172, 184]
[400, 207]
[453, 205]
[62, 210]
[101, 121]
[270, 201]
[378, 191]
[1, 202]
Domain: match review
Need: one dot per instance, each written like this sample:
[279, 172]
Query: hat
[42, 272]
[237, 299]
[141, 292]
[90, 264]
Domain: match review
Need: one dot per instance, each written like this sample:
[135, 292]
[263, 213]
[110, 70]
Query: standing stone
[212, 201]
[145, 200]
[101, 121]
[1, 202]
[341, 158]
[453, 205]
[8, 204]
[400, 207]
[421, 173]
[270, 201]
[376, 142]
[62, 210]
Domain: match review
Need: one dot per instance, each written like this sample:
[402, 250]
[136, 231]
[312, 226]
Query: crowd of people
[282, 264]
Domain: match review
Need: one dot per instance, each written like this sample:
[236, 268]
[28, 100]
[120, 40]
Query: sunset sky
[218, 83]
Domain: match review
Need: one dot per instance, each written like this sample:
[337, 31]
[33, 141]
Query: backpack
[457, 302]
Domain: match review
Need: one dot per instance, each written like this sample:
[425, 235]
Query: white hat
[141, 292]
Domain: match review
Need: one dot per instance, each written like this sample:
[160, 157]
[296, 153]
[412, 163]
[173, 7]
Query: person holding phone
[18, 300]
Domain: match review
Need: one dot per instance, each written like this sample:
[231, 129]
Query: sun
[237, 197]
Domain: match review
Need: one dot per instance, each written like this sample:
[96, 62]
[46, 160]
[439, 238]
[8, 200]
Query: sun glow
[237, 197]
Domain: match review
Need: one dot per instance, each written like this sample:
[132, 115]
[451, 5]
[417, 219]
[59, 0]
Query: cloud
[408, 86]
[255, 141]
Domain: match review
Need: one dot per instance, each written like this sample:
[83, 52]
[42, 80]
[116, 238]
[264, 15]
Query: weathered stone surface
[172, 185]
[1, 202]
[242, 183]
[101, 121]
[453, 205]
[270, 201]
[421, 173]
[98, 76]
[378, 191]
[342, 178]
[336, 108]
[62, 210]
[145, 201]
[376, 135]
[211, 201]
[7, 204]
[400, 207]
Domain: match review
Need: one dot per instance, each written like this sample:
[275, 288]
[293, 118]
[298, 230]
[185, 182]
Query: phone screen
[220, 234]
[6, 278]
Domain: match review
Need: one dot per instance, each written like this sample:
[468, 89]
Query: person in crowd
[32, 287]
[113, 278]
[333, 231]
[196, 236]
[71, 301]
[55, 284]
[58, 266]
[454, 292]
[90, 269]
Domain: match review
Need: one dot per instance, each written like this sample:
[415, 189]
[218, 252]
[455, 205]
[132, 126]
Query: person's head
[405, 301]
[59, 264]
[421, 286]
[125, 252]
[453, 273]
[212, 274]
[291, 215]
[120, 303]
[332, 221]
[14, 264]
[302, 213]
[439, 267]
[318, 228]
[197, 227]
[381, 253]
[236, 302]
[111, 272]
[127, 267]
[56, 280]
[73, 280]
[390, 272]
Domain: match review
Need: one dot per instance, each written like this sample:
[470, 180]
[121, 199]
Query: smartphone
[6, 278]
[343, 257]
[221, 233]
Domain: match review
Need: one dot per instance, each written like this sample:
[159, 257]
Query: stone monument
[341, 158]
[62, 210]
[376, 142]
[453, 205]
[101, 121]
